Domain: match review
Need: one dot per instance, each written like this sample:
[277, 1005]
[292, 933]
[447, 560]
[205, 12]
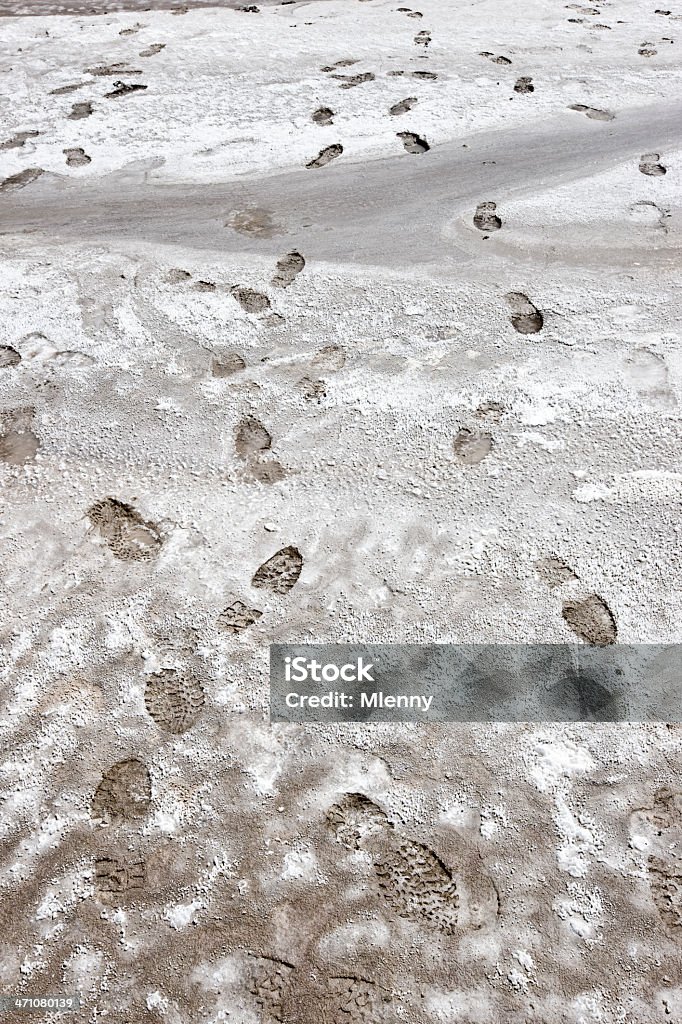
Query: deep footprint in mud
[251, 437]
[526, 318]
[250, 300]
[237, 617]
[413, 143]
[403, 106]
[124, 793]
[21, 179]
[281, 572]
[486, 219]
[174, 700]
[76, 157]
[325, 156]
[594, 113]
[591, 619]
[127, 535]
[323, 116]
[649, 163]
[288, 269]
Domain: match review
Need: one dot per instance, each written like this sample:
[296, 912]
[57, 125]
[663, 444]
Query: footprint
[205, 286]
[422, 39]
[323, 116]
[178, 276]
[63, 90]
[355, 819]
[18, 443]
[647, 50]
[648, 373]
[251, 437]
[345, 63]
[250, 300]
[117, 879]
[471, 447]
[649, 215]
[403, 106]
[313, 390]
[416, 883]
[76, 157]
[266, 471]
[80, 110]
[280, 573]
[124, 793]
[174, 700]
[526, 318]
[127, 535]
[325, 156]
[350, 81]
[21, 179]
[254, 221]
[591, 619]
[227, 365]
[413, 143]
[268, 984]
[237, 617]
[593, 112]
[524, 85]
[124, 89]
[103, 70]
[490, 410]
[353, 999]
[649, 164]
[152, 50]
[426, 76]
[554, 571]
[485, 218]
[665, 880]
[18, 140]
[493, 58]
[132, 30]
[8, 357]
[330, 358]
[288, 268]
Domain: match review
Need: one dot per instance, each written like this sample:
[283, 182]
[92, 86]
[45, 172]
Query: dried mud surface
[356, 323]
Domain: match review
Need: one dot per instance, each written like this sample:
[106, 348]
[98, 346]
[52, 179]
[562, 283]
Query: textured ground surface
[438, 370]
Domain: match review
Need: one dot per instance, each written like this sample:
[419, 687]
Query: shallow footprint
[403, 106]
[413, 143]
[280, 572]
[288, 269]
[227, 365]
[18, 140]
[18, 443]
[251, 437]
[524, 85]
[325, 156]
[80, 110]
[526, 318]
[323, 116]
[250, 300]
[591, 619]
[649, 164]
[174, 700]
[8, 356]
[422, 38]
[127, 535]
[124, 793]
[594, 113]
[485, 218]
[554, 571]
[471, 447]
[237, 617]
[21, 179]
[76, 157]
